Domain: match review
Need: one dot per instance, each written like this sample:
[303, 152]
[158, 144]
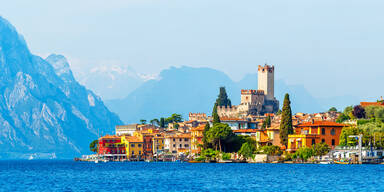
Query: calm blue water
[141, 176]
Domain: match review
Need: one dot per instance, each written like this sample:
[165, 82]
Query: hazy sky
[332, 47]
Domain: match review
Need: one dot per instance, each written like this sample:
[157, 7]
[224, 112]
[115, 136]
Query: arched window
[323, 140]
[323, 131]
[333, 142]
[333, 132]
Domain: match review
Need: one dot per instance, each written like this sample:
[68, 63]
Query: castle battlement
[266, 68]
[252, 92]
[197, 116]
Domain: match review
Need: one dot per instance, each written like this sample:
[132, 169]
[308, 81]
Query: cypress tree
[222, 99]
[216, 118]
[162, 122]
[286, 127]
[205, 139]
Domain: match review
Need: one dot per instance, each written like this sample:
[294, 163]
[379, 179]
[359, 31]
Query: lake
[66, 175]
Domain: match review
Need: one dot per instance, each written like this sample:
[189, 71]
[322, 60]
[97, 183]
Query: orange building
[197, 139]
[310, 133]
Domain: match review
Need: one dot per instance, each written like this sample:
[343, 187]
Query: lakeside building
[255, 102]
[310, 133]
[111, 147]
[177, 143]
[147, 137]
[158, 144]
[133, 147]
[126, 129]
[197, 139]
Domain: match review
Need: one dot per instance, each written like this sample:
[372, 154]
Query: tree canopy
[93, 145]
[332, 109]
[358, 111]
[218, 134]
[222, 99]
[286, 127]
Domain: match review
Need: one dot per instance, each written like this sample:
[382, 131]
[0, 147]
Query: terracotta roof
[133, 139]
[180, 136]
[110, 137]
[198, 128]
[230, 119]
[321, 124]
[246, 131]
[364, 104]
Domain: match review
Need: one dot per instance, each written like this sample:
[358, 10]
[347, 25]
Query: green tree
[155, 122]
[218, 134]
[162, 122]
[348, 112]
[143, 121]
[304, 153]
[342, 117]
[205, 137]
[247, 150]
[279, 112]
[93, 145]
[320, 149]
[379, 114]
[332, 109]
[267, 123]
[222, 99]
[176, 126]
[216, 118]
[286, 127]
[174, 118]
[271, 150]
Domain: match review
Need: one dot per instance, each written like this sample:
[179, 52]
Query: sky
[333, 48]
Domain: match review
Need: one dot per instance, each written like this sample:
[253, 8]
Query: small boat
[194, 161]
[96, 161]
[341, 162]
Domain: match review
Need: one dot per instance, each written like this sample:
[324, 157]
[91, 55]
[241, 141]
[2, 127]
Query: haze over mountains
[44, 111]
[186, 89]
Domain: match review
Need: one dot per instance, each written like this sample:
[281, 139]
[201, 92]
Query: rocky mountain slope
[44, 111]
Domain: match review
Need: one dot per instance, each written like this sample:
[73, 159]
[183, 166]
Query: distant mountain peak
[61, 67]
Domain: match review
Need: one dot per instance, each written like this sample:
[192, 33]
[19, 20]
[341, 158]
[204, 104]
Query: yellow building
[133, 146]
[197, 139]
[158, 143]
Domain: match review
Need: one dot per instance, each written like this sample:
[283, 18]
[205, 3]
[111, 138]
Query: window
[139, 145]
[133, 152]
[180, 139]
[139, 152]
[180, 145]
[186, 145]
[323, 131]
[174, 145]
[185, 139]
[333, 132]
[333, 142]
[174, 139]
[313, 141]
[323, 140]
[132, 145]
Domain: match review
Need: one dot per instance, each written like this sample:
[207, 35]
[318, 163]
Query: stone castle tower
[255, 102]
[266, 80]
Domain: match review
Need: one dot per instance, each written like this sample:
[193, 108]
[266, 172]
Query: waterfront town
[255, 131]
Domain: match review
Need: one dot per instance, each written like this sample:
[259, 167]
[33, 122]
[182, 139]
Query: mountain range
[44, 111]
[187, 89]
